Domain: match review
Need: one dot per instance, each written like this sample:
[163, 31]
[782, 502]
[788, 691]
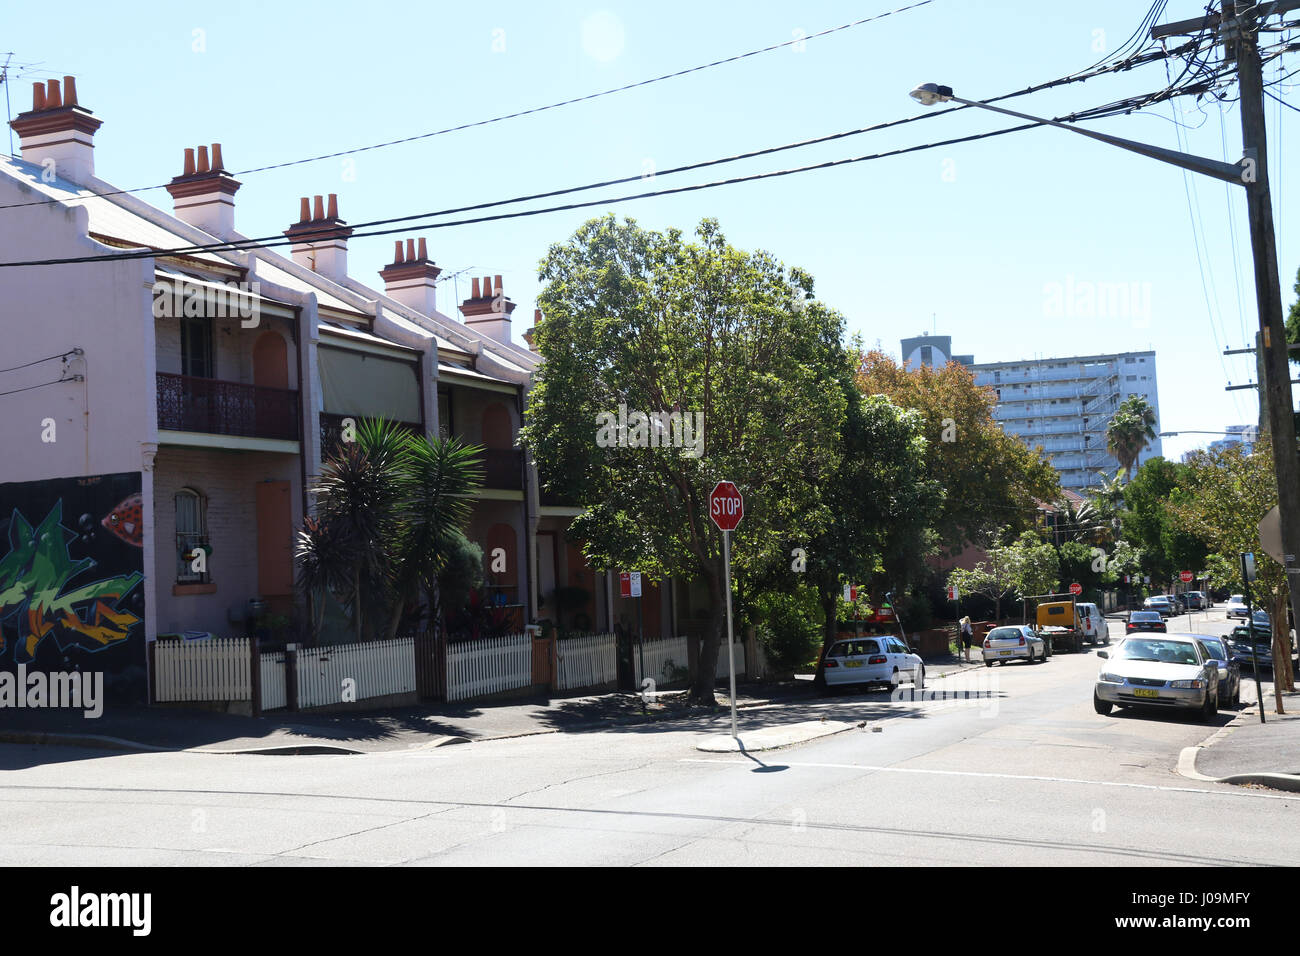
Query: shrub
[790, 626]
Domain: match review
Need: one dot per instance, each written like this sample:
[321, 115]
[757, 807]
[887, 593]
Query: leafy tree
[1038, 564]
[1224, 496]
[990, 479]
[1131, 430]
[790, 626]
[652, 322]
[992, 579]
[1167, 548]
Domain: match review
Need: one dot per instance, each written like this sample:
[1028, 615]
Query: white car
[873, 660]
[1013, 643]
[1237, 606]
[1174, 671]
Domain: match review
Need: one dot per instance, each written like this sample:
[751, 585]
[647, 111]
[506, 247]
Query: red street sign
[1186, 576]
[726, 507]
[1076, 589]
[629, 584]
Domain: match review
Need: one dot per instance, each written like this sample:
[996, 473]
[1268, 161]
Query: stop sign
[1186, 576]
[1076, 588]
[726, 507]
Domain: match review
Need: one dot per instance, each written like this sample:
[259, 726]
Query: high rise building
[1065, 405]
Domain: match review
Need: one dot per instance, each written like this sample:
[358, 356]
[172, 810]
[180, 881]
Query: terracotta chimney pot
[217, 162]
[304, 209]
[397, 252]
[189, 163]
[69, 91]
[203, 160]
[52, 94]
[38, 97]
[333, 207]
[424, 251]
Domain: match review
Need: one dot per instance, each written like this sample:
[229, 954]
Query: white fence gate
[216, 669]
[273, 687]
[376, 669]
[590, 660]
[489, 666]
[665, 660]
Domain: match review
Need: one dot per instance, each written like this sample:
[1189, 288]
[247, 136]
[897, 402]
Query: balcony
[211, 406]
[503, 469]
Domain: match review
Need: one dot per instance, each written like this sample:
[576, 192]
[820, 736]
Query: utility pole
[1238, 26]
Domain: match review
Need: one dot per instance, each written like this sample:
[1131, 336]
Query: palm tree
[349, 547]
[438, 478]
[1130, 431]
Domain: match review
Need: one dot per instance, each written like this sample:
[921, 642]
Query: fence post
[291, 677]
[153, 673]
[255, 674]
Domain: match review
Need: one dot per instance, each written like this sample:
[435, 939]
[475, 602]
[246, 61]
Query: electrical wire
[49, 358]
[536, 109]
[15, 391]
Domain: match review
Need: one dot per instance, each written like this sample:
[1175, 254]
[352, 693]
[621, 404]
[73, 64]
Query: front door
[275, 544]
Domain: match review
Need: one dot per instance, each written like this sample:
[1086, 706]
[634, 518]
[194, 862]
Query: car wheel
[1211, 708]
[988, 663]
[1100, 706]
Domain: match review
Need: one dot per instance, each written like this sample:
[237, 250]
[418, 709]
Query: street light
[928, 94]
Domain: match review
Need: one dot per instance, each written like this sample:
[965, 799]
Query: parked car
[1237, 606]
[1239, 645]
[873, 660]
[1229, 671]
[1194, 600]
[1014, 642]
[1159, 603]
[1172, 671]
[1145, 621]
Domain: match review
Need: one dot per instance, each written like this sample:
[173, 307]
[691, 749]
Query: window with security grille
[191, 536]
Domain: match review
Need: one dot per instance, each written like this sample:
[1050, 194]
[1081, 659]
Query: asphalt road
[1024, 772]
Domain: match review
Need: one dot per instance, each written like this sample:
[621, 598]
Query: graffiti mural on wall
[71, 573]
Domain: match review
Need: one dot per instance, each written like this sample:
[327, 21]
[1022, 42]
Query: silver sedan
[1011, 643]
[1173, 671]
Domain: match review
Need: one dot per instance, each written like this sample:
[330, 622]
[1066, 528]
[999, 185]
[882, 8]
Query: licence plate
[1006, 653]
[1145, 692]
[853, 663]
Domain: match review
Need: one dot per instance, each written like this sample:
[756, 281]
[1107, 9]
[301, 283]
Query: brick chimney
[320, 238]
[411, 276]
[204, 193]
[531, 334]
[487, 310]
[57, 128]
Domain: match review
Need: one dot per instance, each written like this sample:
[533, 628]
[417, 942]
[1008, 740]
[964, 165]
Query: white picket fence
[588, 660]
[375, 669]
[661, 657]
[273, 686]
[723, 670]
[489, 666]
[215, 669]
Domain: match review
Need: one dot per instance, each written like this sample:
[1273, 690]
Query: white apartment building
[1065, 404]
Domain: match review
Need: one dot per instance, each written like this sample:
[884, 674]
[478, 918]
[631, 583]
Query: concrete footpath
[1248, 752]
[405, 728]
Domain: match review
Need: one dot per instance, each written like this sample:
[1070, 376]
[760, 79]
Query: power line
[15, 391]
[48, 358]
[536, 109]
[278, 240]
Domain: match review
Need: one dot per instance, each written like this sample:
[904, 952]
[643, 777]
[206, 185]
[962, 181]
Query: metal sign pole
[1250, 636]
[731, 643]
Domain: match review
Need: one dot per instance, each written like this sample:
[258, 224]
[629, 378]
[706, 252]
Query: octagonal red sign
[726, 507]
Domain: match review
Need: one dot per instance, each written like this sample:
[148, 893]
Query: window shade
[355, 383]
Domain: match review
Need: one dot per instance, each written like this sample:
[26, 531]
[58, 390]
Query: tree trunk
[830, 630]
[707, 665]
[1283, 678]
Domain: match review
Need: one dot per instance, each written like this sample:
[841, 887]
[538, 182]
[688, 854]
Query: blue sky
[966, 240]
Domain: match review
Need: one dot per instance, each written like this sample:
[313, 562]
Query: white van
[1092, 624]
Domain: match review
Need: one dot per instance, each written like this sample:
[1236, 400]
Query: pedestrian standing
[967, 636]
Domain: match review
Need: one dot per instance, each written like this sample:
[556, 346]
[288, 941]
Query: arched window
[191, 534]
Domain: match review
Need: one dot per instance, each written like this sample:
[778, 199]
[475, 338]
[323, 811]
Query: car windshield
[1005, 634]
[1236, 599]
[855, 648]
[1164, 652]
